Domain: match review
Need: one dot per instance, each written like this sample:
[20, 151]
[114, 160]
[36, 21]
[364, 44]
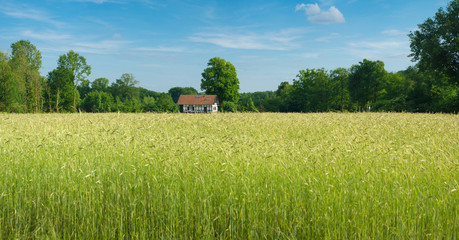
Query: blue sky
[168, 43]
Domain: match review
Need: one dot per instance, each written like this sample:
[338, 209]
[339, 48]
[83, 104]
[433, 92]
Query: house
[198, 103]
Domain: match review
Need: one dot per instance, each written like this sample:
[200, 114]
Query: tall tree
[125, 87]
[165, 103]
[26, 63]
[220, 78]
[435, 44]
[100, 84]
[175, 92]
[340, 81]
[61, 92]
[5, 82]
[366, 82]
[76, 64]
[312, 90]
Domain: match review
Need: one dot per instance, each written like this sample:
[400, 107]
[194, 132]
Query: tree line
[432, 85]
[67, 88]
[364, 87]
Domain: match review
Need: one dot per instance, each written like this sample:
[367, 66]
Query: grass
[229, 176]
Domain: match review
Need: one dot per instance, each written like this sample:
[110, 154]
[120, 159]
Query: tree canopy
[366, 82]
[175, 92]
[77, 65]
[220, 78]
[435, 44]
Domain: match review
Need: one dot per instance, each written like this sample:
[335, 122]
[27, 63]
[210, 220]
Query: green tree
[96, 101]
[148, 104]
[61, 92]
[25, 64]
[229, 107]
[220, 78]
[125, 87]
[312, 90]
[175, 92]
[435, 44]
[80, 70]
[339, 84]
[165, 103]
[367, 82]
[250, 106]
[100, 84]
[84, 88]
[6, 82]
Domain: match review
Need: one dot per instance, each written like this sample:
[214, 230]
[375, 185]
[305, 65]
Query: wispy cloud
[48, 36]
[159, 49]
[393, 32]
[102, 47]
[99, 1]
[328, 38]
[22, 11]
[93, 1]
[317, 15]
[282, 40]
[379, 49]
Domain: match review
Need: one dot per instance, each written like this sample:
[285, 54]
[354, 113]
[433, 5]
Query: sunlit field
[229, 176]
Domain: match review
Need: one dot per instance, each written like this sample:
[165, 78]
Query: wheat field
[229, 176]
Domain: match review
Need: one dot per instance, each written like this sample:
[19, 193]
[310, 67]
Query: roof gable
[197, 100]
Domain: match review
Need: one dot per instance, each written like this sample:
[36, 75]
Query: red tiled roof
[197, 99]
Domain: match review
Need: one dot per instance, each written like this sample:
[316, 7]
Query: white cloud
[310, 9]
[385, 49]
[45, 35]
[117, 36]
[159, 49]
[93, 1]
[94, 47]
[23, 11]
[393, 32]
[317, 15]
[101, 47]
[282, 40]
[328, 38]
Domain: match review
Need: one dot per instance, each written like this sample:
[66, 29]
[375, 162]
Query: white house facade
[198, 103]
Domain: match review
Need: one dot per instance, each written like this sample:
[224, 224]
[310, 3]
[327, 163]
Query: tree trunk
[57, 100]
[74, 92]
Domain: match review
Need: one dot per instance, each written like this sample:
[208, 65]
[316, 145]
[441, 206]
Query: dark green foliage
[96, 101]
[84, 88]
[220, 78]
[25, 86]
[80, 70]
[435, 44]
[61, 94]
[367, 82]
[175, 92]
[165, 103]
[313, 91]
[247, 105]
[100, 84]
[125, 87]
[147, 93]
[229, 107]
[339, 81]
[148, 104]
[6, 83]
